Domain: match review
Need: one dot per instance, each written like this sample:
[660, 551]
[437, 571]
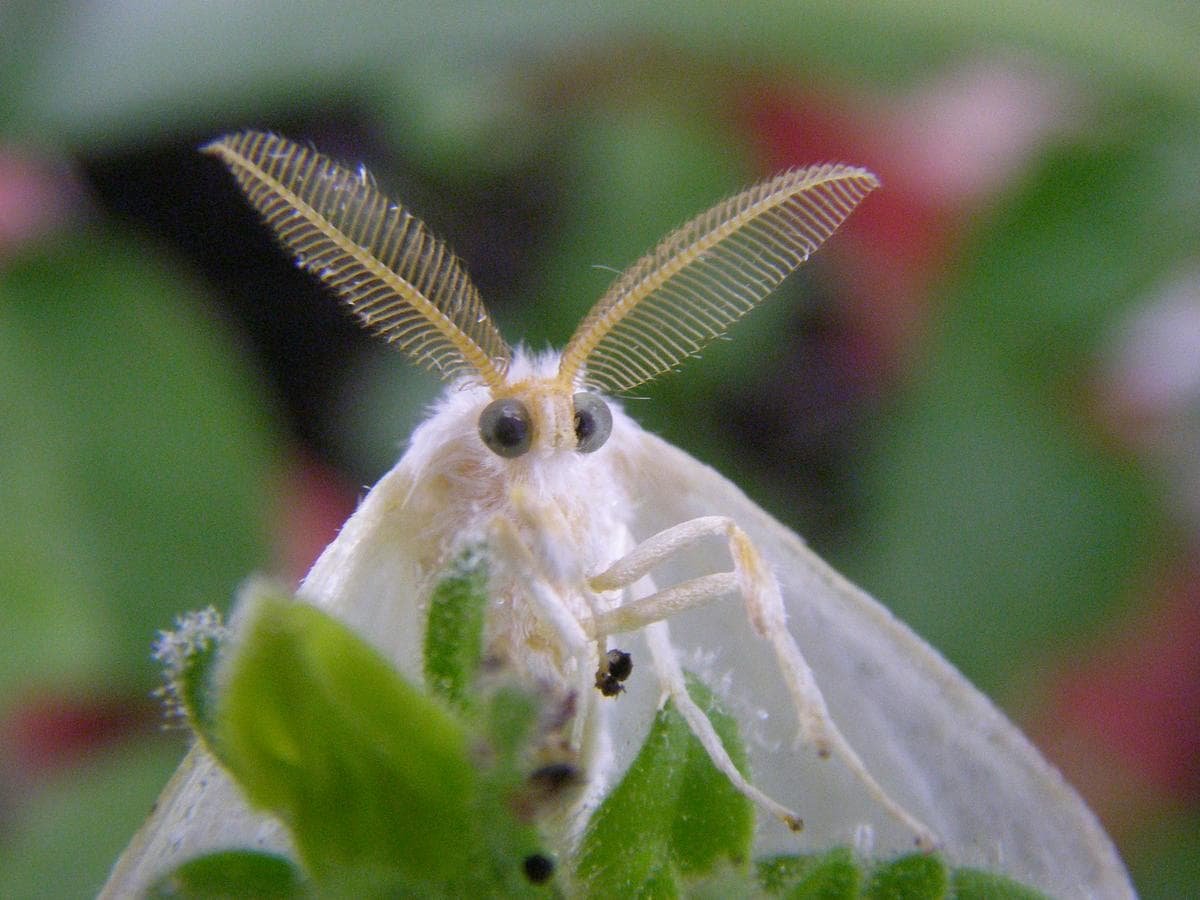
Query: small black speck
[608, 685]
[620, 664]
[538, 868]
[555, 776]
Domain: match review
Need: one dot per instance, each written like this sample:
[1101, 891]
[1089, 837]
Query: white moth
[601, 536]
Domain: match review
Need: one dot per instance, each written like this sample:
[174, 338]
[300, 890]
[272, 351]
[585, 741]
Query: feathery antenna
[704, 276]
[401, 282]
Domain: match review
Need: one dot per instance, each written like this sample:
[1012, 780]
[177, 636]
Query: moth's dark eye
[505, 427]
[593, 422]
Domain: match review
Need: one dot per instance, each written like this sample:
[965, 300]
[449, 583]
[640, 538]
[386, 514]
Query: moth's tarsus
[616, 666]
[926, 843]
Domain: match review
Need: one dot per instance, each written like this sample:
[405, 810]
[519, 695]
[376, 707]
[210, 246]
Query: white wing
[370, 577]
[932, 740]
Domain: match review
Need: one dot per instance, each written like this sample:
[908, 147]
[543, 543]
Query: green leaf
[914, 877]
[189, 655]
[714, 823]
[501, 825]
[673, 814]
[368, 773]
[136, 468]
[454, 631]
[64, 836]
[232, 874]
[838, 875]
[975, 884]
[831, 876]
[384, 790]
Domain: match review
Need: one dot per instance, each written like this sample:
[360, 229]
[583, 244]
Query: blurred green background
[982, 399]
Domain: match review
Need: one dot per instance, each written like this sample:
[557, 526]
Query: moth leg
[554, 614]
[754, 582]
[666, 663]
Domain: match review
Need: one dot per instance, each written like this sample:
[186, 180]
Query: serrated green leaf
[369, 774]
[673, 814]
[196, 690]
[838, 875]
[383, 790]
[189, 654]
[454, 630]
[917, 876]
[232, 874]
[831, 876]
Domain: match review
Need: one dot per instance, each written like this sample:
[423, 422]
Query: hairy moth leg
[666, 664]
[553, 611]
[754, 582]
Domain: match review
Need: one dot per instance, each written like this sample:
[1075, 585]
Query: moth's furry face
[478, 482]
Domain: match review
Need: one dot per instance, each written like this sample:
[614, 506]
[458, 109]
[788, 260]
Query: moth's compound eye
[593, 422]
[538, 868]
[505, 427]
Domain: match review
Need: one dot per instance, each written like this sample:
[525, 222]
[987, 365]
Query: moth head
[407, 287]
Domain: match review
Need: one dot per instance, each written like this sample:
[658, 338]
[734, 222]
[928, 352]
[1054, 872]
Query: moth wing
[200, 811]
[930, 738]
[370, 576]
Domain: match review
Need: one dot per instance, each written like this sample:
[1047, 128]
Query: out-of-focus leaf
[1166, 858]
[232, 873]
[999, 521]
[383, 790]
[365, 771]
[72, 829]
[454, 629]
[831, 876]
[106, 69]
[915, 877]
[136, 468]
[1092, 232]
